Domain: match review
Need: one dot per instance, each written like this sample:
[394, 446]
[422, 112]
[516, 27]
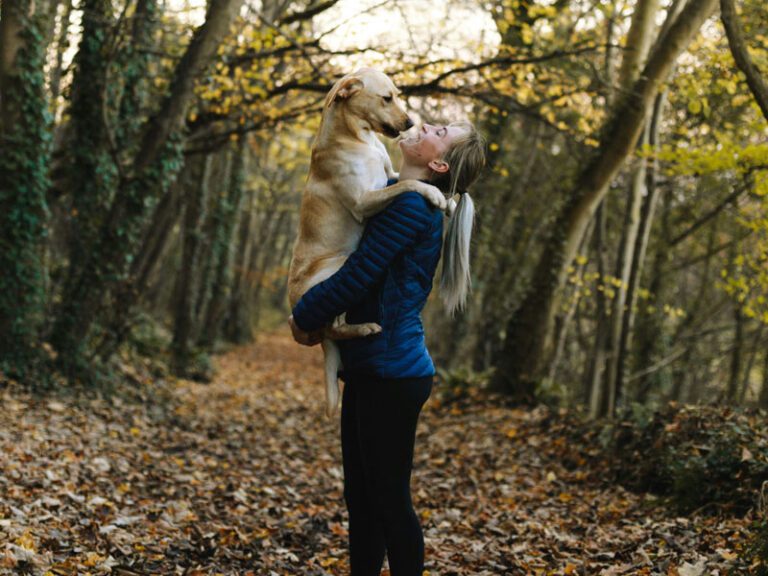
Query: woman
[388, 377]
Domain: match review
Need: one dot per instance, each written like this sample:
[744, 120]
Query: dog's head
[372, 97]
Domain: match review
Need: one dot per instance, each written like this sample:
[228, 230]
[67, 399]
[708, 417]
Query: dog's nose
[408, 123]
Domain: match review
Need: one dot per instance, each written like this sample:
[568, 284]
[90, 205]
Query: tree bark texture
[738, 47]
[237, 324]
[24, 159]
[638, 41]
[186, 284]
[227, 209]
[596, 365]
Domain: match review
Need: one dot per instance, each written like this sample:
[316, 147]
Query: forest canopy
[154, 155]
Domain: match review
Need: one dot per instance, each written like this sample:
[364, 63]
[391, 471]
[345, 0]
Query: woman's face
[430, 144]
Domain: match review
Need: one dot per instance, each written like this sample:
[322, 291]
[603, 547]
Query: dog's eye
[387, 98]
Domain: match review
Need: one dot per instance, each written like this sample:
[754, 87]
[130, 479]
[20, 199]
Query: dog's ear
[346, 88]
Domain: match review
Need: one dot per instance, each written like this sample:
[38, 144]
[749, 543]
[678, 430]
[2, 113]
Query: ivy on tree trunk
[25, 145]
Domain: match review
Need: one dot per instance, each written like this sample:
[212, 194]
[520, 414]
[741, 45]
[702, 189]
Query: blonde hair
[466, 160]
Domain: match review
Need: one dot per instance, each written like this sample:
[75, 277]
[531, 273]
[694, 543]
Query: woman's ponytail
[466, 159]
[456, 281]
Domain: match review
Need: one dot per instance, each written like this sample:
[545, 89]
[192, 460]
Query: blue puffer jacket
[387, 281]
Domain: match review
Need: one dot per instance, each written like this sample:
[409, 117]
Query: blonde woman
[388, 376]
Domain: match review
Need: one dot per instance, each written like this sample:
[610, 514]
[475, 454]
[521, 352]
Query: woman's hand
[305, 338]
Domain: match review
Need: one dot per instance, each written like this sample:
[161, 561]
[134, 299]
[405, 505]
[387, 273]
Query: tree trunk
[683, 386]
[492, 293]
[259, 266]
[48, 22]
[25, 145]
[133, 289]
[194, 214]
[593, 390]
[638, 41]
[209, 252]
[280, 297]
[732, 389]
[624, 263]
[763, 400]
[62, 43]
[640, 248]
[563, 328]
[166, 215]
[593, 374]
[683, 380]
[154, 167]
[737, 354]
[229, 209]
[91, 177]
[609, 63]
[652, 343]
[529, 332]
[757, 343]
[491, 261]
[134, 61]
[237, 325]
[738, 47]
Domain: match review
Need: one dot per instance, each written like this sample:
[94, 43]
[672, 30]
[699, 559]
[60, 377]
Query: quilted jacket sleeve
[387, 234]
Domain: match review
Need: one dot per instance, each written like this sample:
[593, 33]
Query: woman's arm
[387, 235]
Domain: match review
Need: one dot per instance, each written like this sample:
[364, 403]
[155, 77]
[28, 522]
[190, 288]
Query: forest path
[243, 476]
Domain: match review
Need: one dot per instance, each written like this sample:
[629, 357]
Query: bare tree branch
[307, 14]
[731, 198]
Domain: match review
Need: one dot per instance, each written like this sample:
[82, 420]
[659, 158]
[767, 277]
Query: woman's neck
[408, 172]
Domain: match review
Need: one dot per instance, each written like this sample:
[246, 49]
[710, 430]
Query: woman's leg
[366, 535]
[387, 414]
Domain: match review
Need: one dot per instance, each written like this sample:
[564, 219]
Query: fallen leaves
[243, 476]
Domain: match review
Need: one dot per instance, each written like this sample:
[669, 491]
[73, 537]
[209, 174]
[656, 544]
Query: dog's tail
[455, 281]
[332, 364]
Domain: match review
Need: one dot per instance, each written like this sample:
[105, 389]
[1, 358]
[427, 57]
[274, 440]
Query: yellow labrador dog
[347, 179]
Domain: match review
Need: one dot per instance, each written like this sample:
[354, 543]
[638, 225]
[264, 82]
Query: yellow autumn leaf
[26, 541]
[92, 559]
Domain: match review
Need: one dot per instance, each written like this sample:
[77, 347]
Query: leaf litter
[243, 476]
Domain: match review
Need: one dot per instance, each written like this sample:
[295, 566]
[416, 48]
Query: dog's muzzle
[390, 131]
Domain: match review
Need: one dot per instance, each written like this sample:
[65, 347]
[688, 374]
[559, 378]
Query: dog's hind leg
[332, 364]
[340, 330]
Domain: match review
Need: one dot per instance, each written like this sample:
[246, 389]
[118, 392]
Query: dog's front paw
[369, 329]
[451, 208]
[433, 195]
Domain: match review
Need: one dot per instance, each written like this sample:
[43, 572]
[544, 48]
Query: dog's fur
[348, 172]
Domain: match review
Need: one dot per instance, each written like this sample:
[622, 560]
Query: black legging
[378, 430]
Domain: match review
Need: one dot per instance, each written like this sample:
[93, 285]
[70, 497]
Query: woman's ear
[439, 166]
